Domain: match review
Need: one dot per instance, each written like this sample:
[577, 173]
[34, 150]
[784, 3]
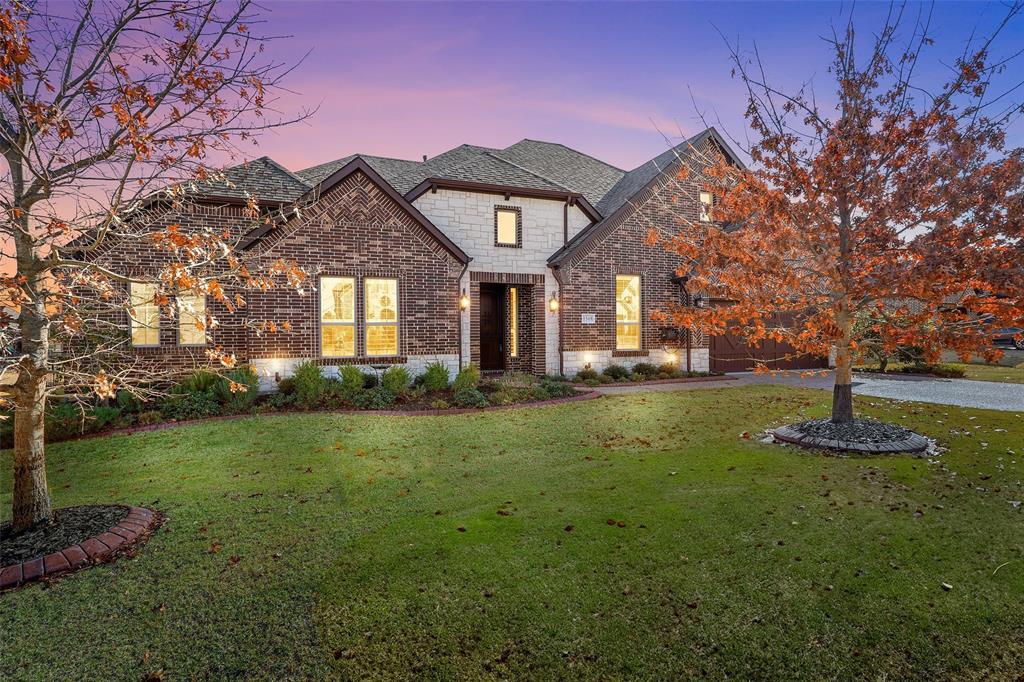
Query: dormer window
[706, 202]
[508, 226]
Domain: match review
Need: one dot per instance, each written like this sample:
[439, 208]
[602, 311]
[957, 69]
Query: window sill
[630, 353]
[365, 360]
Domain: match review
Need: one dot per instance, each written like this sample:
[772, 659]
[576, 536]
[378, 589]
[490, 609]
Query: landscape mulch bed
[861, 435]
[78, 537]
[70, 527]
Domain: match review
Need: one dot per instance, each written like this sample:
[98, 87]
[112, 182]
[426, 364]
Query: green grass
[737, 558]
[978, 372]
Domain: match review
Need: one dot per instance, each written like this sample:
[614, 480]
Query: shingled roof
[263, 178]
[565, 167]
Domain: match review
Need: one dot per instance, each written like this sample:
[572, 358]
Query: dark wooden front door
[492, 328]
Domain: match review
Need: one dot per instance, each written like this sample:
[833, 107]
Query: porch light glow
[464, 301]
[553, 303]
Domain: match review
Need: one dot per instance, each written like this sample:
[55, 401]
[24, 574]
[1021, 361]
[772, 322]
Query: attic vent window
[508, 226]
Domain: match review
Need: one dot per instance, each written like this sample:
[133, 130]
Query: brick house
[527, 258]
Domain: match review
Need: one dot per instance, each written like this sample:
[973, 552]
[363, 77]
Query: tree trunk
[31, 501]
[842, 392]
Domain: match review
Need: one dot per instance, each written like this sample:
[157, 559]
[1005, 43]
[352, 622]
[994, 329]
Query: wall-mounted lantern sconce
[553, 303]
[464, 301]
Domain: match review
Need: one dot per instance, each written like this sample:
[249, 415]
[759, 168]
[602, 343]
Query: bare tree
[112, 115]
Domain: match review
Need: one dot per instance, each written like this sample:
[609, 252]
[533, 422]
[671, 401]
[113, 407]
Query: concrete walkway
[990, 395]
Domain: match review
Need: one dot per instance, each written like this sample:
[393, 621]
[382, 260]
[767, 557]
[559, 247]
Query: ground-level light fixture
[553, 303]
[464, 301]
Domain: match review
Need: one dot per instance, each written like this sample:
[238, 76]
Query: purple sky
[407, 79]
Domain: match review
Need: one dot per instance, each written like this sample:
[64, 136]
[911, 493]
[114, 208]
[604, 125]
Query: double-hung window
[145, 314]
[627, 312]
[338, 317]
[381, 305]
[706, 203]
[191, 319]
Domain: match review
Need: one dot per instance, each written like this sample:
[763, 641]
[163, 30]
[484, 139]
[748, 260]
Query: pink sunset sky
[609, 79]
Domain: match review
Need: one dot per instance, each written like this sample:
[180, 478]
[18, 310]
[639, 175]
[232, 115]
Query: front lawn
[973, 371]
[629, 536]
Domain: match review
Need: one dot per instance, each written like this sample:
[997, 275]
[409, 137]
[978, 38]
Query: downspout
[458, 306]
[561, 316]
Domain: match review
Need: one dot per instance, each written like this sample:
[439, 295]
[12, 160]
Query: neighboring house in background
[528, 258]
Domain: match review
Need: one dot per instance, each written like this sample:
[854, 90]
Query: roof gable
[263, 178]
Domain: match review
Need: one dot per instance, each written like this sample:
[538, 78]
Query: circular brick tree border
[787, 434]
[133, 530]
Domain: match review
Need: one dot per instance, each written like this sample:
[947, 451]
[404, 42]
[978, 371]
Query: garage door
[730, 354]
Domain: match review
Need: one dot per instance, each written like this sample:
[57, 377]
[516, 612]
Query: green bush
[592, 382]
[309, 385]
[670, 369]
[586, 374]
[191, 405]
[469, 397]
[103, 418]
[128, 402]
[939, 370]
[351, 382]
[556, 389]
[511, 395]
[150, 417]
[646, 369]
[281, 401]
[286, 386]
[63, 420]
[468, 377]
[200, 381]
[376, 398]
[370, 379]
[439, 405]
[241, 400]
[397, 380]
[516, 380]
[605, 379]
[435, 377]
[616, 372]
[334, 395]
[637, 377]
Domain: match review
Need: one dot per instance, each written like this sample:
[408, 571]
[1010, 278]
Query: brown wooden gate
[730, 354]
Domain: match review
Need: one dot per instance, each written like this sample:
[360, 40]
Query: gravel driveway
[963, 392]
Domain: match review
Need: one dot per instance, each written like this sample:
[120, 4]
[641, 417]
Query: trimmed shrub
[351, 380]
[150, 417]
[637, 377]
[592, 382]
[469, 397]
[646, 369]
[309, 385]
[511, 395]
[63, 420]
[669, 368]
[200, 381]
[616, 372]
[439, 405]
[240, 400]
[286, 386]
[939, 370]
[516, 380]
[128, 402]
[376, 398]
[397, 380]
[280, 401]
[586, 375]
[435, 377]
[468, 377]
[191, 405]
[605, 379]
[105, 418]
[556, 389]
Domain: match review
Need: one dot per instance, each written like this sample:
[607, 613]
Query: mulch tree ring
[77, 537]
[864, 436]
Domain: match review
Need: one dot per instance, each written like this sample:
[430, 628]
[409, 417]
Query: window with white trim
[191, 319]
[627, 312]
[381, 307]
[145, 314]
[337, 317]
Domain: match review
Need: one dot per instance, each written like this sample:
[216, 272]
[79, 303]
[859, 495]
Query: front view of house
[530, 258]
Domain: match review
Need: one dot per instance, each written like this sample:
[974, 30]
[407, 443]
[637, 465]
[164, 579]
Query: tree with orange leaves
[110, 114]
[893, 219]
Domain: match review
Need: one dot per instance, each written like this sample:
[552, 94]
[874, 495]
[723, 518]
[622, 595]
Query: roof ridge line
[574, 150]
[531, 172]
[291, 174]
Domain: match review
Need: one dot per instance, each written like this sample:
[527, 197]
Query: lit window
[381, 316]
[706, 202]
[337, 316]
[627, 312]
[145, 315]
[513, 322]
[192, 319]
[506, 226]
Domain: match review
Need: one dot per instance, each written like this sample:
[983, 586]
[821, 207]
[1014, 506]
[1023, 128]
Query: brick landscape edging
[915, 443]
[129, 532]
[678, 380]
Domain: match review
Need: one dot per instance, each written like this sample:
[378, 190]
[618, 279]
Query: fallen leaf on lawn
[461, 529]
[568, 529]
[233, 559]
[216, 547]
